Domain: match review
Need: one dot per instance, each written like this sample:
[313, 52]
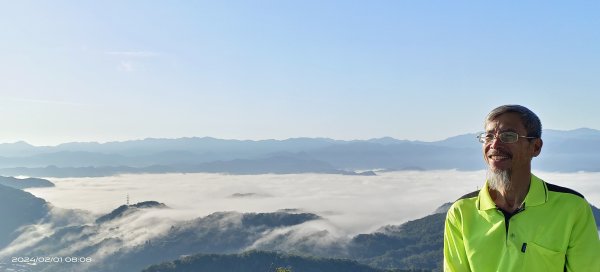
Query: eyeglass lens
[505, 137]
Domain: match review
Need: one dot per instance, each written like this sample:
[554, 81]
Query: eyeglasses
[507, 137]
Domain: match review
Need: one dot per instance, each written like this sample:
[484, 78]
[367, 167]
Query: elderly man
[517, 221]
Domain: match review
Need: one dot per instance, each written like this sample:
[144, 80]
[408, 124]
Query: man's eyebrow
[501, 130]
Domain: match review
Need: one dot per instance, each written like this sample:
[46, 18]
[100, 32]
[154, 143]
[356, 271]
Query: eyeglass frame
[482, 137]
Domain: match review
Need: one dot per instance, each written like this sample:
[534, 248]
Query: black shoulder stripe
[556, 188]
[469, 195]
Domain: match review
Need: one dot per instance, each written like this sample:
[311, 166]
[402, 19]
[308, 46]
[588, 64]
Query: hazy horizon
[264, 139]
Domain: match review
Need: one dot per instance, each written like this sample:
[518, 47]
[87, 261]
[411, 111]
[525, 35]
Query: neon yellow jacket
[554, 231]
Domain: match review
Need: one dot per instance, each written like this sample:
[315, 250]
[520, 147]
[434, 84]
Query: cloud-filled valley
[316, 214]
[354, 203]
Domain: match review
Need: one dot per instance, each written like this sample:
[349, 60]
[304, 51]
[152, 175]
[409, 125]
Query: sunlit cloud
[31, 235]
[319, 235]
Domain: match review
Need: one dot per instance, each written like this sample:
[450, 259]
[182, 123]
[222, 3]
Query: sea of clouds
[349, 204]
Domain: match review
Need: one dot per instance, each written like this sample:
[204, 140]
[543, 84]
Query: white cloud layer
[352, 204]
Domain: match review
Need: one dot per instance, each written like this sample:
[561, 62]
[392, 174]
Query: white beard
[499, 180]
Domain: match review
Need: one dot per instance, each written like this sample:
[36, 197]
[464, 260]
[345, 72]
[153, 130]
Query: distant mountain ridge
[564, 151]
[18, 183]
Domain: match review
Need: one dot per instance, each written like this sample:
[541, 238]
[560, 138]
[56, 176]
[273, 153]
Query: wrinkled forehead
[509, 121]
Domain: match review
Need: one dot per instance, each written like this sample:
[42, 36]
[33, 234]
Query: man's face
[512, 157]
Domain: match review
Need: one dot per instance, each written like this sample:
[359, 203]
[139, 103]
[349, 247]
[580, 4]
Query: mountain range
[564, 151]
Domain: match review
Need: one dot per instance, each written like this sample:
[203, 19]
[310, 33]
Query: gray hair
[530, 120]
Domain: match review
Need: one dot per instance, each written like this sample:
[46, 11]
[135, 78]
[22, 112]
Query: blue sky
[418, 70]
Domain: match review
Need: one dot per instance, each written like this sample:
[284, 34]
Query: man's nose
[495, 142]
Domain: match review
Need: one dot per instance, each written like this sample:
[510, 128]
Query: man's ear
[537, 146]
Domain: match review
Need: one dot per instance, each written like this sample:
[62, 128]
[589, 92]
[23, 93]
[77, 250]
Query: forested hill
[18, 183]
[413, 246]
[18, 209]
[259, 261]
